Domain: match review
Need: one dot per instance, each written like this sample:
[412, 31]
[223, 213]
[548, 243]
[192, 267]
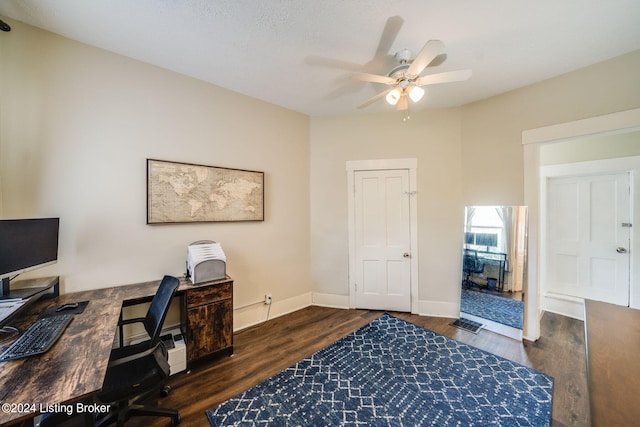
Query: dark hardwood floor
[262, 351]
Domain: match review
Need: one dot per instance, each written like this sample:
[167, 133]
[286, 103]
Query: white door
[382, 240]
[588, 237]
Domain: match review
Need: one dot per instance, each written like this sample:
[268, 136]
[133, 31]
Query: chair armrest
[127, 359]
[130, 321]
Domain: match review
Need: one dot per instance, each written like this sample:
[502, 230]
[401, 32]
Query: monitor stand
[5, 290]
[21, 293]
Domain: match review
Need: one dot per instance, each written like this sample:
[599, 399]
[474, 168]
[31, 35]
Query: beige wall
[433, 137]
[477, 158]
[492, 128]
[77, 123]
[76, 127]
[591, 148]
[498, 123]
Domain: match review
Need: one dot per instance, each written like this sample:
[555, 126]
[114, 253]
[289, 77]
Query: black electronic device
[487, 239]
[38, 338]
[469, 237]
[67, 306]
[26, 244]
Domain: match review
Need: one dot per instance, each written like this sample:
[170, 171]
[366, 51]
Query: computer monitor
[469, 237]
[487, 239]
[26, 244]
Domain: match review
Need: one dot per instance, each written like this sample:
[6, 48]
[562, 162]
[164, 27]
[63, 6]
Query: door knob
[406, 254]
[621, 250]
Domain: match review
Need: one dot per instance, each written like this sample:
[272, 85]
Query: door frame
[532, 139]
[574, 306]
[411, 165]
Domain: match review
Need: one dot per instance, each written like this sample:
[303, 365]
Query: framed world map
[184, 192]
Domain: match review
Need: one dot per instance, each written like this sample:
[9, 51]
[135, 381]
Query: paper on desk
[8, 307]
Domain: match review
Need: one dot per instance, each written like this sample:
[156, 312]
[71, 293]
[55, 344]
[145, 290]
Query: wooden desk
[206, 314]
[75, 366]
[497, 258]
[613, 363]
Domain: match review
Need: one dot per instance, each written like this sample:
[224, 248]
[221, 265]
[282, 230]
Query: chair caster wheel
[166, 390]
[176, 420]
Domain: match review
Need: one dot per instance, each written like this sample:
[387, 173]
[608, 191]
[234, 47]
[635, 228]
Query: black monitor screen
[27, 244]
[486, 239]
[469, 237]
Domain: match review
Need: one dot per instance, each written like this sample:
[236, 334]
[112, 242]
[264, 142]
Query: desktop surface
[72, 369]
[38, 338]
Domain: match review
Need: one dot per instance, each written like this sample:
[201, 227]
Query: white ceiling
[301, 54]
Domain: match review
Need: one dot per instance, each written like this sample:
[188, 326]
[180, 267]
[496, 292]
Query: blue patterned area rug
[394, 373]
[503, 310]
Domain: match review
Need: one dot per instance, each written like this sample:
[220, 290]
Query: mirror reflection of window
[484, 230]
[493, 262]
[499, 230]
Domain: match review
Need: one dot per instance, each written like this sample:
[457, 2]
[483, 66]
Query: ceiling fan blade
[389, 34]
[447, 77]
[374, 99]
[428, 53]
[374, 78]
[438, 60]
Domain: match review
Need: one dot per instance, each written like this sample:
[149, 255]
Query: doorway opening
[532, 141]
[586, 234]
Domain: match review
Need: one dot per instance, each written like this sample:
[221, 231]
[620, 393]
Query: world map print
[182, 192]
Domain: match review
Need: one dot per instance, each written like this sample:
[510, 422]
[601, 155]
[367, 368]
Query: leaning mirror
[493, 268]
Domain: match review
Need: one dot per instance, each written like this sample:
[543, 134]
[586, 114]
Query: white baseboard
[330, 300]
[141, 336]
[259, 313]
[425, 308]
[439, 309]
[564, 305]
[253, 314]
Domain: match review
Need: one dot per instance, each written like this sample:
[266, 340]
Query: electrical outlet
[267, 299]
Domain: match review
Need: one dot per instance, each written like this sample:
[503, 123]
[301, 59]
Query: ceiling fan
[405, 81]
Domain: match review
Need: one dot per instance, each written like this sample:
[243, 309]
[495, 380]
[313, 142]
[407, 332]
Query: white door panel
[585, 228]
[382, 236]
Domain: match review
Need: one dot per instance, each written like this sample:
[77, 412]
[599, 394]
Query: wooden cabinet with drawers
[208, 317]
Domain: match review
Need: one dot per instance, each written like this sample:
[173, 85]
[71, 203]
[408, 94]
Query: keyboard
[38, 338]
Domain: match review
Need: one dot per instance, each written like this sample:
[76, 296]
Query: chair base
[124, 409]
[121, 412]
[469, 284]
[122, 415]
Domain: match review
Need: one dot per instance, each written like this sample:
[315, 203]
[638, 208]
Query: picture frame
[192, 193]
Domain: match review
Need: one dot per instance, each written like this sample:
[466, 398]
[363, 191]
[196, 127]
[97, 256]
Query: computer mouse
[67, 306]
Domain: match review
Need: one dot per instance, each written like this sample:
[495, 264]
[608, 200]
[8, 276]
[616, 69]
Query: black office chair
[470, 266]
[137, 372]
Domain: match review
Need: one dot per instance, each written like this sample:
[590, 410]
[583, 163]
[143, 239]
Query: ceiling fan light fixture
[416, 93]
[393, 97]
[404, 82]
